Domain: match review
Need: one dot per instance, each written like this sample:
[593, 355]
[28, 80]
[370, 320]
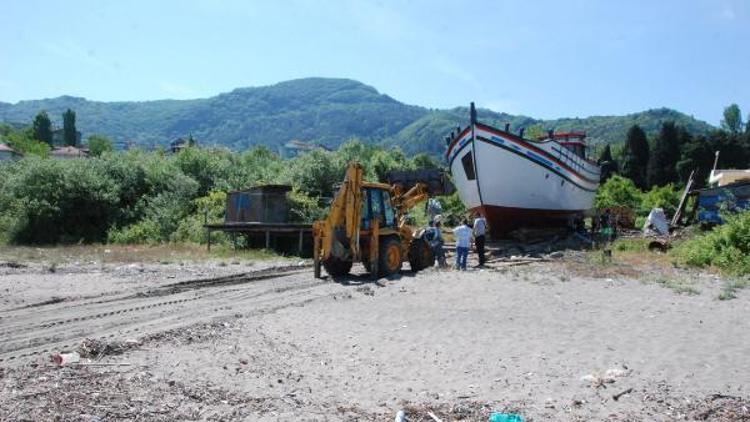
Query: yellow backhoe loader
[367, 223]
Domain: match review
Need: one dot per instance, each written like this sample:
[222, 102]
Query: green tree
[636, 156]
[42, 128]
[698, 155]
[99, 144]
[534, 132]
[69, 128]
[607, 163]
[662, 165]
[732, 121]
[424, 161]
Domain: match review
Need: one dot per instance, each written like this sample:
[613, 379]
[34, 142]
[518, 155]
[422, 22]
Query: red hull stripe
[456, 139]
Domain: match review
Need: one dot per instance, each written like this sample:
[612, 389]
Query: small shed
[261, 215]
[262, 204]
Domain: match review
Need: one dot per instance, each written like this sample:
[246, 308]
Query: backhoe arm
[340, 229]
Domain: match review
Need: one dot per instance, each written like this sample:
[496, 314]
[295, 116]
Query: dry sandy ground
[541, 340]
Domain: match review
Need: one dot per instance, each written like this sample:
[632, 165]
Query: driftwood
[434, 418]
[622, 393]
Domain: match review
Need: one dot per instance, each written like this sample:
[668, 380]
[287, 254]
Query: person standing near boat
[479, 231]
[463, 242]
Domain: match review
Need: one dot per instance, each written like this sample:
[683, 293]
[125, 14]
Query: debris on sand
[95, 349]
[465, 410]
[13, 264]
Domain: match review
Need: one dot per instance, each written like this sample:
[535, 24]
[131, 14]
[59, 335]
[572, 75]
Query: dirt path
[42, 329]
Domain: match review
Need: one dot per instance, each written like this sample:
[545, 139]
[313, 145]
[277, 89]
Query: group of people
[464, 234]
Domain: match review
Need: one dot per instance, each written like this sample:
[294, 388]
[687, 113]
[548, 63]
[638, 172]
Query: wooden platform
[268, 229]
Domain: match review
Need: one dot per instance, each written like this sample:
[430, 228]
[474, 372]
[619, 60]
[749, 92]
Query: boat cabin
[572, 141]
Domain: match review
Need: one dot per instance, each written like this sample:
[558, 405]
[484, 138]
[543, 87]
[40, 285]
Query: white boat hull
[518, 182]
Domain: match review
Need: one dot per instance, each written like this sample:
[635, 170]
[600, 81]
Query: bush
[666, 197]
[726, 247]
[453, 209]
[146, 231]
[98, 145]
[618, 191]
[304, 208]
[206, 209]
[67, 201]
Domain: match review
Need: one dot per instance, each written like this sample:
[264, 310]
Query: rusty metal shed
[263, 204]
[262, 215]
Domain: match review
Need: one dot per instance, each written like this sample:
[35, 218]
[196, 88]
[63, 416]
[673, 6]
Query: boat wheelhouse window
[575, 148]
[468, 162]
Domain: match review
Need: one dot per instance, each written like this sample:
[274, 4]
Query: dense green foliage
[661, 167]
[621, 191]
[732, 121]
[42, 128]
[98, 145]
[618, 191]
[142, 197]
[69, 128]
[635, 157]
[607, 163]
[320, 110]
[666, 197]
[22, 141]
[726, 247]
[674, 153]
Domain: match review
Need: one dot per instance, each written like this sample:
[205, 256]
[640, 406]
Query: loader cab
[376, 203]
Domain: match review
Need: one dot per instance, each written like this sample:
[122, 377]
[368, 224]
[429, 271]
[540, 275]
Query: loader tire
[420, 255]
[336, 267]
[389, 259]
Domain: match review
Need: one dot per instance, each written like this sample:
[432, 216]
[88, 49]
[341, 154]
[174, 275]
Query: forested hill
[322, 110]
[426, 133]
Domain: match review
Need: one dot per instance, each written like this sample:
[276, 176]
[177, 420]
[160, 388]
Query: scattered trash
[63, 359]
[505, 417]
[400, 416]
[656, 223]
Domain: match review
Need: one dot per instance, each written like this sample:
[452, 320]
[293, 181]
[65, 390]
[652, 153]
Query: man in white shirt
[479, 231]
[463, 242]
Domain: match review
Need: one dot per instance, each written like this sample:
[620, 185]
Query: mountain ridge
[327, 111]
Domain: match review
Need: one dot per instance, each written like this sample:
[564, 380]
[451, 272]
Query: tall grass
[727, 247]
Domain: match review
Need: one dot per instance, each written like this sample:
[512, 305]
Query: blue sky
[545, 59]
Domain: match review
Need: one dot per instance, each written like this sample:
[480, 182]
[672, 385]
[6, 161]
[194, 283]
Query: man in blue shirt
[463, 243]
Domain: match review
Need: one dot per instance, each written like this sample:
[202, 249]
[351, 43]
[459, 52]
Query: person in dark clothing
[479, 231]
